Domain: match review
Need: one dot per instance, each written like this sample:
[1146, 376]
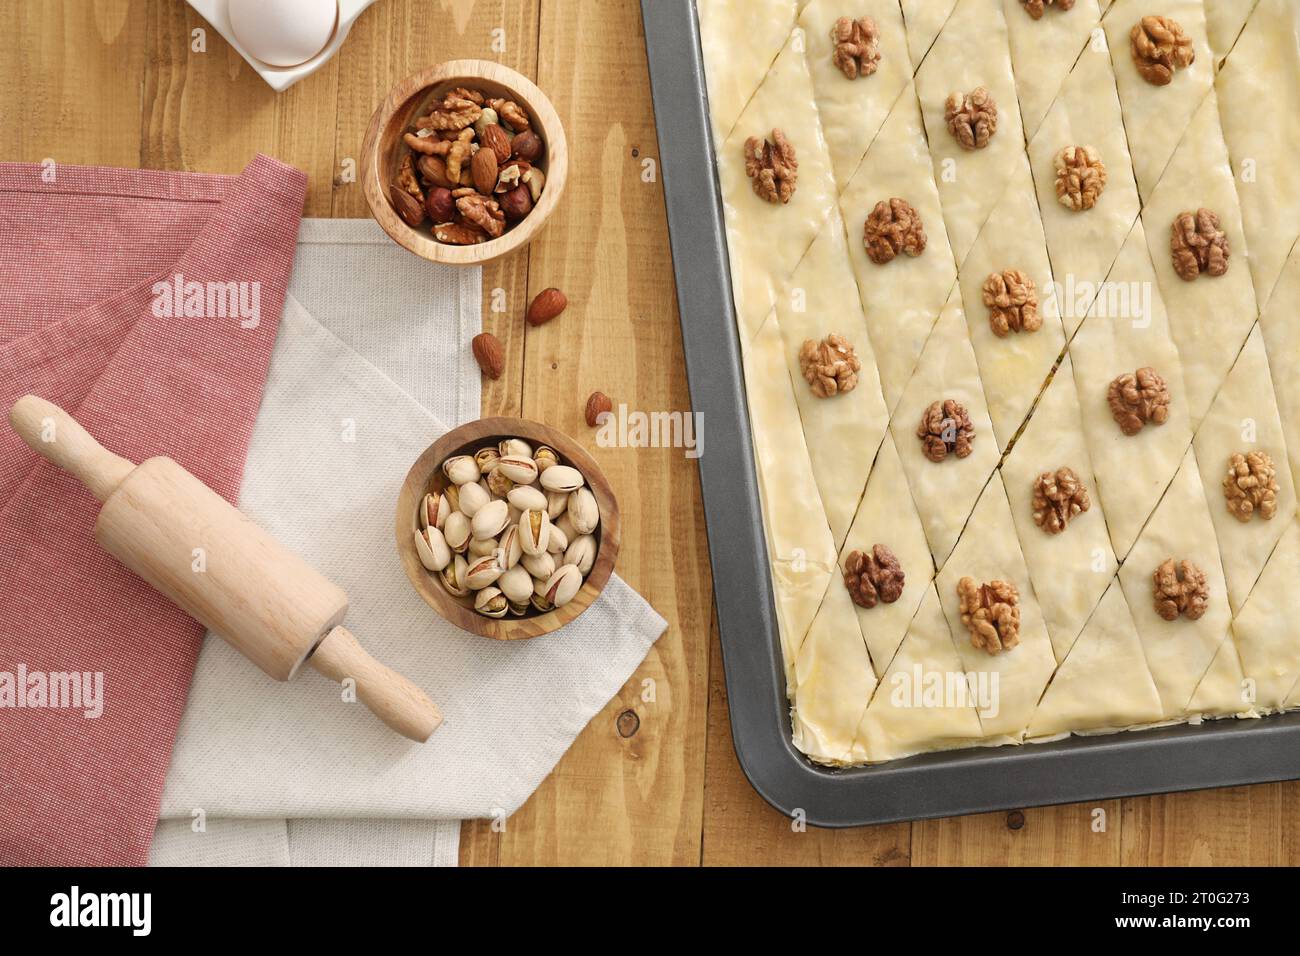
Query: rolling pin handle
[390, 696]
[55, 435]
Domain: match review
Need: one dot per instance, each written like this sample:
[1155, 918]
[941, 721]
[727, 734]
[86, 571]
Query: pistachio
[562, 478]
[516, 584]
[490, 520]
[483, 572]
[519, 610]
[557, 502]
[520, 469]
[539, 602]
[453, 577]
[452, 494]
[526, 497]
[540, 566]
[565, 523]
[432, 548]
[583, 511]
[490, 602]
[434, 510]
[460, 469]
[474, 496]
[563, 585]
[534, 531]
[480, 548]
[487, 459]
[498, 483]
[515, 446]
[457, 531]
[510, 547]
[581, 553]
[545, 456]
[559, 540]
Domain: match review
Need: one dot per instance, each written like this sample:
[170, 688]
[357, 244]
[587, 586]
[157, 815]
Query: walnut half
[1180, 588]
[1059, 496]
[1012, 301]
[1080, 177]
[972, 119]
[1138, 398]
[946, 429]
[857, 46]
[1159, 47]
[893, 226]
[1198, 245]
[1251, 486]
[830, 366]
[772, 167]
[1035, 8]
[873, 577]
[991, 613]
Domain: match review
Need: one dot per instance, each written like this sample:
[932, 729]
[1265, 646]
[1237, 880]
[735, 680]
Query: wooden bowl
[426, 475]
[383, 150]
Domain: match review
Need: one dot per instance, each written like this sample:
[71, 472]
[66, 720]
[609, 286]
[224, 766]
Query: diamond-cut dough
[739, 39]
[1282, 336]
[1044, 50]
[1223, 691]
[892, 726]
[887, 516]
[1155, 117]
[1084, 244]
[901, 298]
[1132, 471]
[1178, 652]
[924, 19]
[1244, 409]
[945, 491]
[1014, 367]
[842, 432]
[1259, 106]
[1224, 20]
[1070, 570]
[798, 539]
[1211, 316]
[988, 551]
[767, 240]
[834, 681]
[1104, 684]
[852, 111]
[1267, 630]
[971, 51]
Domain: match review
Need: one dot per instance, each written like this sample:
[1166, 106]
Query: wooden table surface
[653, 779]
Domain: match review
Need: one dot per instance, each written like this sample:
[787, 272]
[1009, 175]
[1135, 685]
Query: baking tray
[1214, 754]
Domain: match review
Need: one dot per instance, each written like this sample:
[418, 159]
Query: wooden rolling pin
[220, 568]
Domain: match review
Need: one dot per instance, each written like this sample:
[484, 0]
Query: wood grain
[653, 779]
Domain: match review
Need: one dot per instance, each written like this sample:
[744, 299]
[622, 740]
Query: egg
[283, 32]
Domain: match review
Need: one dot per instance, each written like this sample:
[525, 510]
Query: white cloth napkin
[370, 363]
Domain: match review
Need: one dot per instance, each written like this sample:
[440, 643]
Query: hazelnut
[517, 203]
[440, 205]
[527, 145]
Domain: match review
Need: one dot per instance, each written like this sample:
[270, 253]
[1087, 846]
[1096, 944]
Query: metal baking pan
[1220, 753]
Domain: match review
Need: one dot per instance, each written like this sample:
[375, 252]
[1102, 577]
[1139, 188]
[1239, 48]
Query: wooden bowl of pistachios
[507, 528]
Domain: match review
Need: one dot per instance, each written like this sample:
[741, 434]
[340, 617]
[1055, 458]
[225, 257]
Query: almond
[483, 167]
[598, 404]
[547, 305]
[489, 354]
[407, 206]
[498, 140]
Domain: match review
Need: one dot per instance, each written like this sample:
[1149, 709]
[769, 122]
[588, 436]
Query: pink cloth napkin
[81, 249]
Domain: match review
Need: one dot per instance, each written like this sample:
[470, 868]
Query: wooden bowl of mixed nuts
[464, 162]
[507, 528]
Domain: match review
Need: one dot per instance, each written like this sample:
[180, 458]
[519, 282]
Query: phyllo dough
[733, 70]
[888, 516]
[1267, 630]
[1069, 569]
[1282, 336]
[1244, 419]
[1118, 338]
[1104, 684]
[945, 491]
[1044, 50]
[989, 551]
[852, 111]
[766, 240]
[924, 702]
[1224, 20]
[924, 19]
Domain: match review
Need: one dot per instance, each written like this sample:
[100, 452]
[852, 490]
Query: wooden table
[653, 779]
